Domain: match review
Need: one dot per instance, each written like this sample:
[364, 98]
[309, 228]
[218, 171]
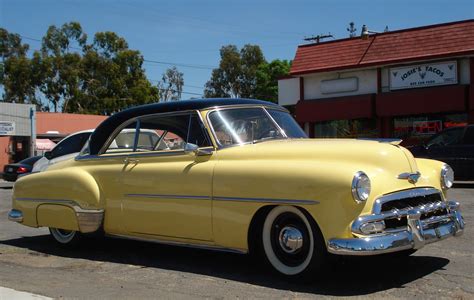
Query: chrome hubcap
[291, 239]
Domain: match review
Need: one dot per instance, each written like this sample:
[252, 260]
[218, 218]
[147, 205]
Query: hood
[336, 160]
[365, 153]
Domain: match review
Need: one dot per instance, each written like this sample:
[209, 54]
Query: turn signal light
[374, 227]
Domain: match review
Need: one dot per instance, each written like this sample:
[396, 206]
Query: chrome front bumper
[417, 234]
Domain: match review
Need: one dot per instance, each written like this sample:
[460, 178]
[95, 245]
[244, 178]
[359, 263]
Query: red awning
[44, 144]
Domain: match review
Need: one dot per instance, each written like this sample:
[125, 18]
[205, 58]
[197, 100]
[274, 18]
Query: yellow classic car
[240, 175]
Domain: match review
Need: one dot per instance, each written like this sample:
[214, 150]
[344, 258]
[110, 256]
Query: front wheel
[292, 242]
[65, 237]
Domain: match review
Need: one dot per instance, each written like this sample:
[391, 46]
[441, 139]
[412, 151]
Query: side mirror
[190, 148]
[48, 155]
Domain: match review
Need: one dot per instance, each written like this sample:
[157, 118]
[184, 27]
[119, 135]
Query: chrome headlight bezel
[361, 187]
[447, 177]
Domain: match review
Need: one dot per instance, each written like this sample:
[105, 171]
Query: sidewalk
[7, 294]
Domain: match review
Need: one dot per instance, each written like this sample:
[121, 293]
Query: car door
[167, 191]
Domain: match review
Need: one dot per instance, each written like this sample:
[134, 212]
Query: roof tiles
[385, 48]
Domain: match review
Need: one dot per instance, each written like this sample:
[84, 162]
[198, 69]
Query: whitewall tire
[65, 237]
[290, 242]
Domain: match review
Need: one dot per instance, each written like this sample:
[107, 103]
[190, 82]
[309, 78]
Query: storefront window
[359, 128]
[416, 130]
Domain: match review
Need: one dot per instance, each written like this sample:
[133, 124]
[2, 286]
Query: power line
[184, 65]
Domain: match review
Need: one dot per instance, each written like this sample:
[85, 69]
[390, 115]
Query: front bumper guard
[417, 234]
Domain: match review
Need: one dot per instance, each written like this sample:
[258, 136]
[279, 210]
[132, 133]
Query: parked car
[454, 146]
[242, 177]
[66, 149]
[70, 146]
[12, 171]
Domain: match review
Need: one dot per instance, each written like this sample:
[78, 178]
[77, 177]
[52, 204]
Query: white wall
[288, 91]
[367, 83]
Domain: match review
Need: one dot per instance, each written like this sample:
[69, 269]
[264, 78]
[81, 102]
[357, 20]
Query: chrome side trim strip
[168, 196]
[266, 200]
[176, 243]
[218, 198]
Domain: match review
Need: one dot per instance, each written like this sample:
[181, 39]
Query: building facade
[407, 84]
[25, 132]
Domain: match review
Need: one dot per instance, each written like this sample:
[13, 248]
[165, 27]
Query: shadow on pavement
[346, 276]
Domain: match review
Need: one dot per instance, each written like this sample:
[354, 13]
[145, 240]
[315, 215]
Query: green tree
[267, 76]
[113, 76]
[16, 71]
[61, 81]
[236, 75]
[171, 85]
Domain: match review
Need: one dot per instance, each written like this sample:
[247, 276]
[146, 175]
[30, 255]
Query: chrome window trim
[220, 108]
[151, 153]
[410, 193]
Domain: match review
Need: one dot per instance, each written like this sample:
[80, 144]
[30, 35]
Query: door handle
[127, 160]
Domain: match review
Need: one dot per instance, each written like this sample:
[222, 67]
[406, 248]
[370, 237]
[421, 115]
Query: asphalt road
[110, 268]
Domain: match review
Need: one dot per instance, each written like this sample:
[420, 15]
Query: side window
[469, 136]
[124, 140]
[448, 137]
[70, 145]
[160, 133]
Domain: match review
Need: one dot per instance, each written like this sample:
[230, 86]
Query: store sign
[340, 85]
[423, 75]
[7, 128]
[427, 127]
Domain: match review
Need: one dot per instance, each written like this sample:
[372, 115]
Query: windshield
[251, 125]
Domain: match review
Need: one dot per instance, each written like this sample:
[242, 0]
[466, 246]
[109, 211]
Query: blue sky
[191, 32]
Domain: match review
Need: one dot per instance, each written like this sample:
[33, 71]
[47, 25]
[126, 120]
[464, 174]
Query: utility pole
[352, 30]
[318, 38]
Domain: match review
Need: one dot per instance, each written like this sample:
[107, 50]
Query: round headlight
[360, 187]
[447, 177]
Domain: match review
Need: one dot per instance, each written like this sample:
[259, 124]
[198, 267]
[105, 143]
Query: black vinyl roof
[105, 129]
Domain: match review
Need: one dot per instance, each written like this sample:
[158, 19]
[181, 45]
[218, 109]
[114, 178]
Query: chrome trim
[410, 193]
[412, 177]
[162, 196]
[15, 215]
[266, 200]
[177, 243]
[131, 120]
[218, 198]
[290, 239]
[89, 220]
[417, 234]
[445, 170]
[355, 181]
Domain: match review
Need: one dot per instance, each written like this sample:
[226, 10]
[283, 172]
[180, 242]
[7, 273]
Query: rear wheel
[292, 242]
[65, 237]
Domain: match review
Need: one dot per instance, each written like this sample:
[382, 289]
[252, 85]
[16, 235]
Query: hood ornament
[412, 177]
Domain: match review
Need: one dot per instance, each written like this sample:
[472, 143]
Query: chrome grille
[430, 205]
